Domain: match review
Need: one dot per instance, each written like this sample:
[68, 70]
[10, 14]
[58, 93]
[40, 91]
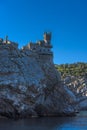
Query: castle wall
[43, 58]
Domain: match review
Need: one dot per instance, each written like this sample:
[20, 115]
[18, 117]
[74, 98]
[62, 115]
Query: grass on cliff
[75, 69]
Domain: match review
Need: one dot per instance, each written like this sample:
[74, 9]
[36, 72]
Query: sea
[78, 122]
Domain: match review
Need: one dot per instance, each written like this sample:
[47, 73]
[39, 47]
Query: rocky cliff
[78, 85]
[30, 87]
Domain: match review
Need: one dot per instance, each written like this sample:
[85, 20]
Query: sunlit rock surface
[78, 85]
[31, 86]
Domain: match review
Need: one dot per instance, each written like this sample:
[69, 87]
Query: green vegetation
[75, 69]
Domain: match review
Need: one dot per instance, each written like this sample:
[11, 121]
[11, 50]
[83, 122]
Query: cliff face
[30, 86]
[78, 85]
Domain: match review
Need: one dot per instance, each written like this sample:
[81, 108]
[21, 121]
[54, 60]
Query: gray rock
[78, 85]
[83, 105]
[31, 86]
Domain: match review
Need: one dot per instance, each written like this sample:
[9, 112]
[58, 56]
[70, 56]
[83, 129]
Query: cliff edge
[30, 86]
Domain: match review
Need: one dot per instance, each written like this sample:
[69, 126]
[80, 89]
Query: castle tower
[47, 37]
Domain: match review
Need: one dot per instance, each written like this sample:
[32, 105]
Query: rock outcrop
[30, 86]
[78, 85]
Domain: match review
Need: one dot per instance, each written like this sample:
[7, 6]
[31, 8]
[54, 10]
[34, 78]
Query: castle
[42, 48]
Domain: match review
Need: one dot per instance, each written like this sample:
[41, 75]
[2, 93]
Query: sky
[27, 20]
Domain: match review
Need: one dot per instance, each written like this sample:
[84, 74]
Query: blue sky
[26, 20]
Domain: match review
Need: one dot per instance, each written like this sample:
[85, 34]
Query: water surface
[45, 123]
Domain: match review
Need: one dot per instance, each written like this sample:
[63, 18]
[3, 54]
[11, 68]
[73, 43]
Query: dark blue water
[52, 123]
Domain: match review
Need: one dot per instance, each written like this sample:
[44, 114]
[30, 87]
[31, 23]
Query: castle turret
[47, 37]
[47, 40]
